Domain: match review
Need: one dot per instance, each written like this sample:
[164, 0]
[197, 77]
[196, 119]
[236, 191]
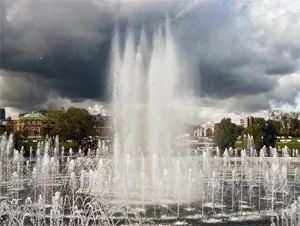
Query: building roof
[33, 115]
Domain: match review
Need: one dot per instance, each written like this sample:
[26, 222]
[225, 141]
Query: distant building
[207, 130]
[2, 114]
[22, 114]
[103, 125]
[43, 112]
[36, 123]
[248, 121]
[103, 121]
[242, 123]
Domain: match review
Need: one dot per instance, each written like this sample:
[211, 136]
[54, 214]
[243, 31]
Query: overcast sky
[244, 55]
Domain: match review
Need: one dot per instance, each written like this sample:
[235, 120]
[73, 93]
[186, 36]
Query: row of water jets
[52, 188]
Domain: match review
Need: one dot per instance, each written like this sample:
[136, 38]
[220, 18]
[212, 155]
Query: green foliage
[297, 133]
[270, 132]
[288, 122]
[20, 135]
[8, 127]
[256, 131]
[58, 115]
[263, 132]
[226, 134]
[73, 124]
[239, 130]
[295, 124]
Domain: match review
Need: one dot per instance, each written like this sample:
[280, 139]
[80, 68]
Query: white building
[206, 130]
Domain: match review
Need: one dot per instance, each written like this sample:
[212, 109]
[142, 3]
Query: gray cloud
[62, 48]
[67, 43]
[280, 69]
[221, 83]
[18, 88]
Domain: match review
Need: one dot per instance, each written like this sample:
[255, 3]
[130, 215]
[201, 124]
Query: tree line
[71, 124]
[288, 123]
[264, 131]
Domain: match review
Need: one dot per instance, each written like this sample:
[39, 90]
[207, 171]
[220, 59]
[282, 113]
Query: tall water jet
[144, 88]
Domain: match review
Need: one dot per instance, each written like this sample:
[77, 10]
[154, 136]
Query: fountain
[145, 180]
[74, 190]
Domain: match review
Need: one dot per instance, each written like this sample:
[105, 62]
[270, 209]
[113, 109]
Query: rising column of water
[2, 147]
[114, 73]
[163, 77]
[56, 148]
[126, 72]
[274, 177]
[143, 91]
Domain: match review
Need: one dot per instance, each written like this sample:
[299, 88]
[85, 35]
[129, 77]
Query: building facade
[103, 126]
[248, 121]
[35, 123]
[207, 130]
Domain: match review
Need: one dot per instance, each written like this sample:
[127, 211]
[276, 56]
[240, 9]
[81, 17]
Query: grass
[291, 145]
[239, 144]
[294, 144]
[29, 143]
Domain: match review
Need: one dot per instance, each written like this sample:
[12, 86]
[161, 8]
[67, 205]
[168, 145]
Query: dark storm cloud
[238, 58]
[280, 69]
[220, 83]
[66, 43]
[70, 54]
[65, 47]
[16, 86]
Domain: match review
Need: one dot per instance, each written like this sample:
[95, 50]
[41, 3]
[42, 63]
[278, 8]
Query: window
[32, 122]
[37, 122]
[38, 128]
[32, 128]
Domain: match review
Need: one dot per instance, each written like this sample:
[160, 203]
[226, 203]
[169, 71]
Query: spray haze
[146, 81]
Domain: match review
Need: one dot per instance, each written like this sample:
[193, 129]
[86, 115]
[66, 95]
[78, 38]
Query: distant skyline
[242, 57]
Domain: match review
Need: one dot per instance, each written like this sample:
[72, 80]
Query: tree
[255, 130]
[79, 124]
[19, 135]
[295, 125]
[226, 134]
[239, 130]
[58, 116]
[270, 133]
[9, 126]
[289, 122]
[263, 132]
[297, 133]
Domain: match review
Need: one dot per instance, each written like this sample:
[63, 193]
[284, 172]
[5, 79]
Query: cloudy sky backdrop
[243, 56]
